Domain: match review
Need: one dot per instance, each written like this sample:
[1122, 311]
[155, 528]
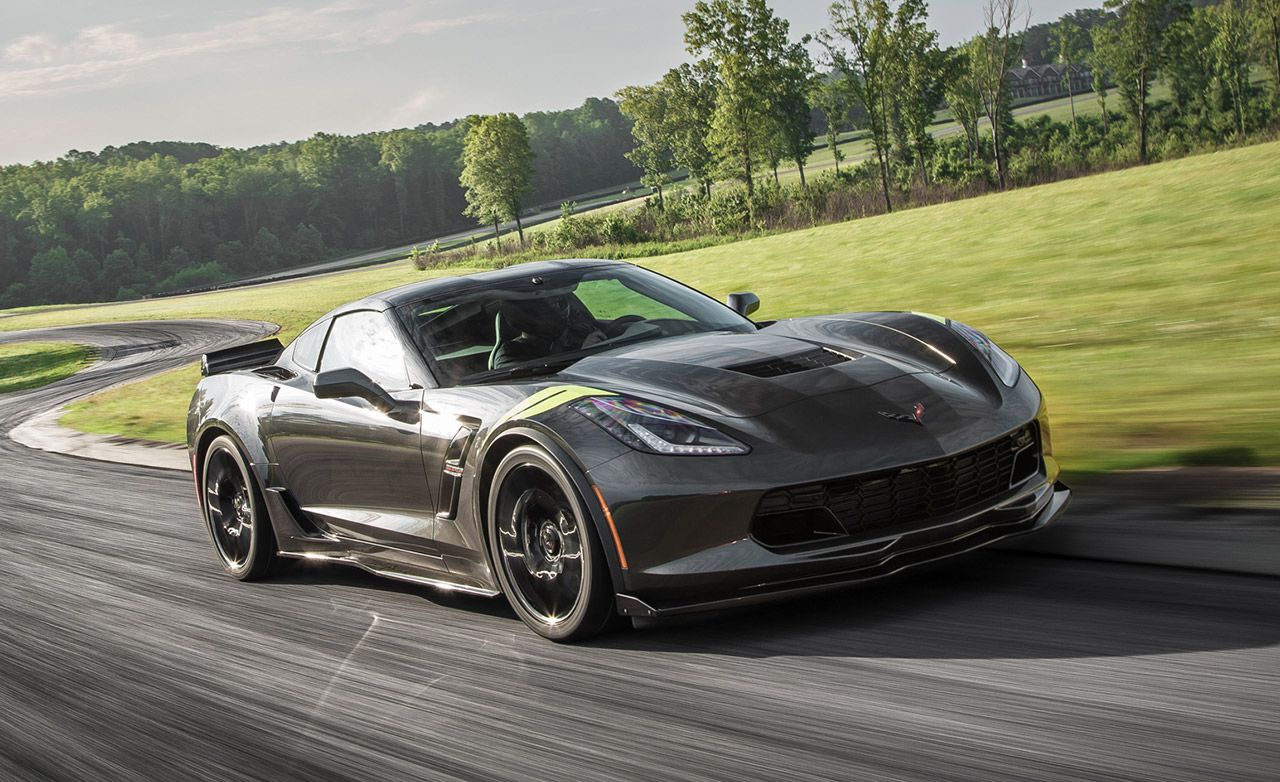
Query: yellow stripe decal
[549, 399]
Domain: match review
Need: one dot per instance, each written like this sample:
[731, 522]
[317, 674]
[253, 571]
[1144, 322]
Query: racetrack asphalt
[126, 654]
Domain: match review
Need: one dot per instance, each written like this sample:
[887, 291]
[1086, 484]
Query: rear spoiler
[251, 356]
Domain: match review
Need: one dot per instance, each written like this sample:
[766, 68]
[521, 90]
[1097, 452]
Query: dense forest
[152, 217]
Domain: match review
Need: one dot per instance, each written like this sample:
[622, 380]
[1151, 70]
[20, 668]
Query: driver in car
[533, 328]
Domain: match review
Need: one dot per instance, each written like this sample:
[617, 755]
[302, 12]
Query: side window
[365, 341]
[306, 348]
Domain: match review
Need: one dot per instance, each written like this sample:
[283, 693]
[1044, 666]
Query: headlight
[1005, 367]
[657, 429]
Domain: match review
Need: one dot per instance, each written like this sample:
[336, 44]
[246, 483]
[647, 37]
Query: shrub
[728, 211]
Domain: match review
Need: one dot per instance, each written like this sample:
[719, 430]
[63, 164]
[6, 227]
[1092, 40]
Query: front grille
[906, 495]
[786, 365]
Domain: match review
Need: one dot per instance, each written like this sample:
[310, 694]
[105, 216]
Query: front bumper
[866, 560]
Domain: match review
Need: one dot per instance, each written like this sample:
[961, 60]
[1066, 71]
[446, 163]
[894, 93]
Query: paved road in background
[126, 654]
[480, 234]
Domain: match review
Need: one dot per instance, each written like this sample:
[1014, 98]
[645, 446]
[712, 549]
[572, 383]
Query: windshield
[545, 322]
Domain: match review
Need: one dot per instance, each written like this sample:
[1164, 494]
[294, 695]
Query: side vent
[455, 459]
[275, 373]
[797, 362]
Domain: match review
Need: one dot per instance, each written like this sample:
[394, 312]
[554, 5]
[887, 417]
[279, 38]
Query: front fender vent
[797, 362]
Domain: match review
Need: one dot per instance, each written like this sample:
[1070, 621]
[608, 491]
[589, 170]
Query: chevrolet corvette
[596, 441]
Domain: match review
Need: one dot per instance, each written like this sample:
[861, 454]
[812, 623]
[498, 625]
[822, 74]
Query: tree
[691, 104]
[268, 249]
[497, 169]
[400, 153]
[117, 270]
[54, 277]
[177, 258]
[1069, 40]
[1103, 38]
[860, 45]
[14, 296]
[1268, 12]
[996, 52]
[339, 171]
[918, 70]
[653, 130]
[792, 113]
[1191, 70]
[1231, 47]
[747, 44]
[830, 96]
[963, 97]
[1040, 41]
[1137, 54]
[306, 244]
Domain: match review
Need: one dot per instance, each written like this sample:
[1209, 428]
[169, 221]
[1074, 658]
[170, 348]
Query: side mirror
[338, 383]
[743, 303]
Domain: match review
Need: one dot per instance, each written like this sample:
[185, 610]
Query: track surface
[126, 654]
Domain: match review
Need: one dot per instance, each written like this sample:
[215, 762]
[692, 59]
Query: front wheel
[234, 513]
[546, 549]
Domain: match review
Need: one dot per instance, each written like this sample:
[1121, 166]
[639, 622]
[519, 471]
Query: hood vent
[797, 362]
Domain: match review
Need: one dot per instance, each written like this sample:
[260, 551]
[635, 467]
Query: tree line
[744, 102]
[164, 216]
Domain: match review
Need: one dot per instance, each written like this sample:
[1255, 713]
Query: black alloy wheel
[546, 549]
[234, 513]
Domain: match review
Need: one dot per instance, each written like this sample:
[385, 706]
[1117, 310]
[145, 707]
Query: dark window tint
[365, 341]
[306, 348]
[555, 318]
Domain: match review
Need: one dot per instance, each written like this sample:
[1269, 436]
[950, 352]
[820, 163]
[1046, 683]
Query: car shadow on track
[989, 605]
[994, 605]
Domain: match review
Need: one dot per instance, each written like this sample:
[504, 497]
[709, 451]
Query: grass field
[27, 365]
[1143, 301]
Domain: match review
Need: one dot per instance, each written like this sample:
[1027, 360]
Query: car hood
[734, 375]
[856, 392]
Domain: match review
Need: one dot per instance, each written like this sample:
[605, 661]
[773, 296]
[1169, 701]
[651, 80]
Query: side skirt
[346, 559]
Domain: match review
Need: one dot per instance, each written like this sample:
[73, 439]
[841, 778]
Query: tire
[546, 550]
[235, 513]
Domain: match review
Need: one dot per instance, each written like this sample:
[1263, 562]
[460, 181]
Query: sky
[84, 74]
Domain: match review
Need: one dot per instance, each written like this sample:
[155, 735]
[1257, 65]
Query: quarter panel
[238, 403]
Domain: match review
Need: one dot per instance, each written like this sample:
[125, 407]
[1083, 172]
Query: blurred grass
[27, 365]
[151, 409]
[1143, 301]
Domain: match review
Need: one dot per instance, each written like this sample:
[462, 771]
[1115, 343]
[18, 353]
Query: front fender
[548, 438]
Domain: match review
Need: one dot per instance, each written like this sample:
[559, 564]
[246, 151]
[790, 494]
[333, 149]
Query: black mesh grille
[786, 365]
[886, 500]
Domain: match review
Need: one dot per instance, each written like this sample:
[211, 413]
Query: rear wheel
[546, 549]
[234, 513]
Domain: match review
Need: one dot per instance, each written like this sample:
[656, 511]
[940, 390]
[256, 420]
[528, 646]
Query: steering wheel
[618, 325]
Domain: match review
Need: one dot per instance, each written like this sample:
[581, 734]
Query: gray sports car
[597, 441]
